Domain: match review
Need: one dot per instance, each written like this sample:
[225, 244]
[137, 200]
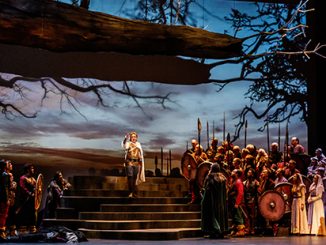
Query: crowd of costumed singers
[20, 199]
[248, 173]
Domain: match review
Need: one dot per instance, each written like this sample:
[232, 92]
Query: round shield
[285, 189]
[271, 205]
[202, 172]
[188, 162]
[38, 191]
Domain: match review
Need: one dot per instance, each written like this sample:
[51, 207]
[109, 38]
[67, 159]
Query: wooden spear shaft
[245, 136]
[207, 127]
[268, 137]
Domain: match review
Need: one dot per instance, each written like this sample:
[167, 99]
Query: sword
[244, 213]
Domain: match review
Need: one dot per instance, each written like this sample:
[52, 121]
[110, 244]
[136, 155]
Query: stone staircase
[99, 207]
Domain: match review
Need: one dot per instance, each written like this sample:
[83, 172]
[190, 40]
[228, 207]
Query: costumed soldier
[250, 198]
[4, 198]
[26, 212]
[290, 169]
[297, 153]
[199, 156]
[188, 163]
[212, 150]
[274, 155]
[194, 142]
[265, 184]
[134, 162]
[11, 220]
[55, 192]
[236, 199]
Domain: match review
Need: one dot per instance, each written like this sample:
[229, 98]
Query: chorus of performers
[18, 212]
[249, 173]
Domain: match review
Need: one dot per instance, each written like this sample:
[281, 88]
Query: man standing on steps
[134, 162]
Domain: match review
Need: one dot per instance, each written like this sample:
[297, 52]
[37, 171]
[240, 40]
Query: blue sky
[171, 128]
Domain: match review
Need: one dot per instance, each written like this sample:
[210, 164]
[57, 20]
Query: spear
[213, 130]
[224, 126]
[268, 136]
[286, 143]
[170, 160]
[162, 159]
[228, 139]
[245, 136]
[287, 139]
[199, 129]
[156, 162]
[207, 127]
[279, 134]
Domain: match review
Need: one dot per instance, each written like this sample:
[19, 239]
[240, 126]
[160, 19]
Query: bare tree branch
[64, 87]
[273, 61]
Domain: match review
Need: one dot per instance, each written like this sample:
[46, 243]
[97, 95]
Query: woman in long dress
[316, 213]
[299, 221]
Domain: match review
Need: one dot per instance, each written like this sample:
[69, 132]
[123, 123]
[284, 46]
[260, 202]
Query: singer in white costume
[134, 162]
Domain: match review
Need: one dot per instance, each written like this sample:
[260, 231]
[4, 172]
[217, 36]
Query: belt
[133, 160]
[296, 196]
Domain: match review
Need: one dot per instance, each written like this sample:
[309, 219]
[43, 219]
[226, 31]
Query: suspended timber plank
[108, 66]
[61, 27]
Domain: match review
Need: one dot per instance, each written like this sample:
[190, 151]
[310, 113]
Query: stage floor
[291, 240]
[297, 240]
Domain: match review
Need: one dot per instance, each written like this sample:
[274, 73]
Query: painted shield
[285, 189]
[202, 172]
[272, 205]
[38, 191]
[188, 163]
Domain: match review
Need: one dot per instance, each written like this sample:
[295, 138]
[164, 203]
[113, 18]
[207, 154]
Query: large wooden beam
[61, 27]
[108, 66]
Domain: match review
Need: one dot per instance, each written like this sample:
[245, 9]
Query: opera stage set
[99, 205]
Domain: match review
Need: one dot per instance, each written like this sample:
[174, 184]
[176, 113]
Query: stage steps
[99, 206]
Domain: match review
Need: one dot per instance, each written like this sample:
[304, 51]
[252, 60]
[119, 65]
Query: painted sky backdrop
[171, 128]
